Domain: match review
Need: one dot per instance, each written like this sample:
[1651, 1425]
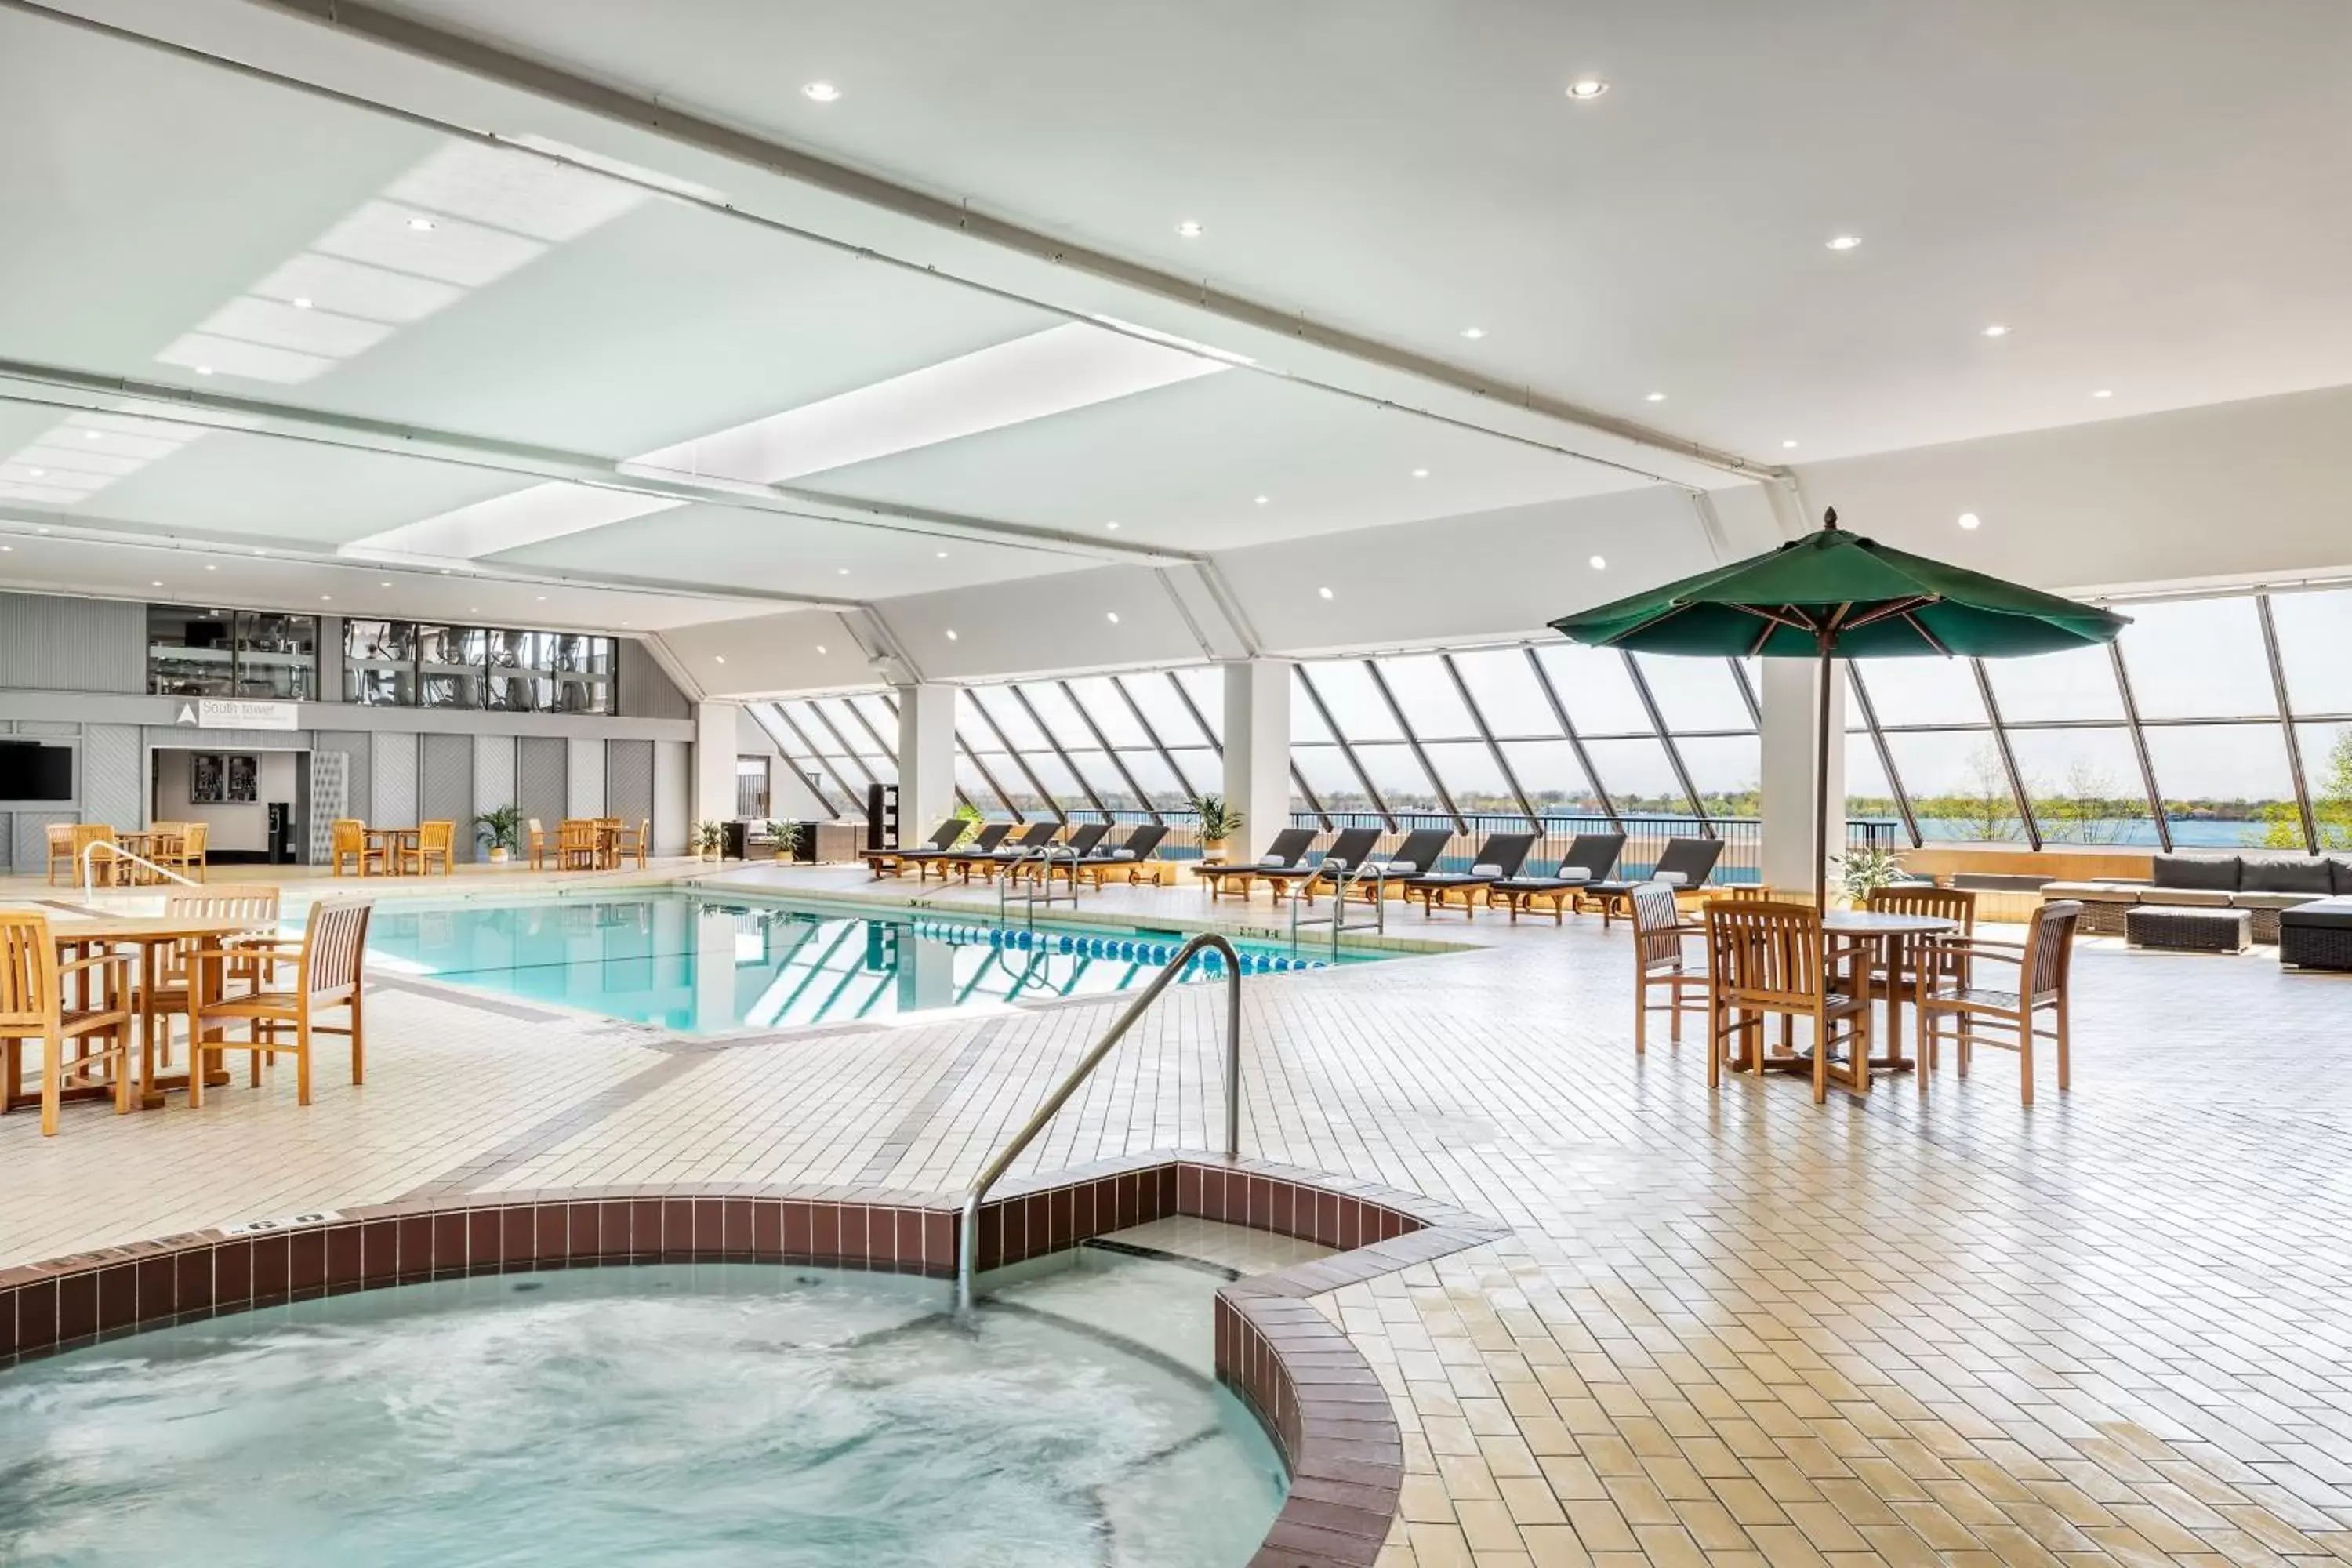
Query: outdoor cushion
[2244, 899]
[2185, 897]
[1399, 868]
[2306, 875]
[1572, 874]
[2335, 914]
[1485, 868]
[2099, 892]
[1122, 854]
[2189, 872]
[1272, 862]
[2343, 874]
[1671, 879]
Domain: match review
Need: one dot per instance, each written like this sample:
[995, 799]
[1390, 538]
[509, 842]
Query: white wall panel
[672, 796]
[392, 782]
[584, 785]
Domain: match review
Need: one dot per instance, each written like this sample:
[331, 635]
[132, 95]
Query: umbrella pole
[1822, 786]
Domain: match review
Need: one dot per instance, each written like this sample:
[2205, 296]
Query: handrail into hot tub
[968, 1244]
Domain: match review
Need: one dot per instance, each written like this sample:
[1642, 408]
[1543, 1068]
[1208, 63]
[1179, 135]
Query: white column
[1257, 751]
[1789, 696]
[926, 759]
[714, 761]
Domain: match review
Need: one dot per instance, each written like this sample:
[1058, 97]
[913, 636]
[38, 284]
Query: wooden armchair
[434, 841]
[1766, 958]
[34, 1005]
[105, 866]
[185, 854]
[2041, 962]
[328, 964]
[62, 851]
[253, 908]
[629, 841]
[1958, 905]
[575, 844]
[1659, 960]
[351, 843]
[535, 844]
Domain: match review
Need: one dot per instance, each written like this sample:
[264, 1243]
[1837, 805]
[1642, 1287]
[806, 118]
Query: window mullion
[1142, 796]
[881, 745]
[1487, 734]
[2139, 748]
[812, 754]
[1135, 710]
[1404, 727]
[1019, 761]
[2008, 758]
[988, 777]
[1673, 753]
[1054, 743]
[1886, 753]
[2286, 724]
[1307, 684]
[847, 750]
[1575, 741]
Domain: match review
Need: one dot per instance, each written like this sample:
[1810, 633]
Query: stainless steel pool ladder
[1038, 888]
[968, 1242]
[1337, 918]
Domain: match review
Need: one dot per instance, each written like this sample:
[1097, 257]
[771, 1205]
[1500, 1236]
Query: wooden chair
[105, 868]
[34, 1005]
[1766, 958]
[575, 844]
[1958, 905]
[1659, 959]
[535, 844]
[629, 841]
[2042, 962]
[62, 851]
[187, 853]
[174, 990]
[329, 962]
[351, 843]
[434, 841]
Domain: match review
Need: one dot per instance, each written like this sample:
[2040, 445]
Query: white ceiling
[2143, 190]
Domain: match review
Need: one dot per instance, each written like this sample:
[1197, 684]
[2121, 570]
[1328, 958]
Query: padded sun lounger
[992, 834]
[1347, 851]
[1591, 857]
[1127, 860]
[1283, 854]
[894, 862]
[1500, 856]
[1037, 835]
[1058, 859]
[1684, 863]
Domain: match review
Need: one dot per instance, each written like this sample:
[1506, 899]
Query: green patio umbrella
[1834, 594]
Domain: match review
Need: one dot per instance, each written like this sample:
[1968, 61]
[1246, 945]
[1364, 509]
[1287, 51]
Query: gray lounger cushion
[2190, 871]
[2185, 898]
[2335, 914]
[2100, 893]
[2306, 875]
[2244, 899]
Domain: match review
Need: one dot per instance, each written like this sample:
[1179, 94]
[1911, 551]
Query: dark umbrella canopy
[1835, 594]
[1874, 602]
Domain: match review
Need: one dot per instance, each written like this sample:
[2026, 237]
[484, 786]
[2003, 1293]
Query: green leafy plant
[972, 817]
[709, 836]
[1865, 870]
[1218, 821]
[787, 835]
[500, 829]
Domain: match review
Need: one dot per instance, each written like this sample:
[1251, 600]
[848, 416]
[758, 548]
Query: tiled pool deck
[1733, 1329]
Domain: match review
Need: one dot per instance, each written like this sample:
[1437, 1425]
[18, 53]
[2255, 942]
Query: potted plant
[971, 817]
[707, 839]
[1219, 822]
[501, 831]
[1862, 872]
[787, 835]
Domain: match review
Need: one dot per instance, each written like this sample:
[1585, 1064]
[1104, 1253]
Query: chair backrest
[576, 834]
[334, 945]
[1595, 853]
[85, 833]
[990, 836]
[1656, 916]
[1352, 844]
[1769, 953]
[350, 835]
[61, 836]
[437, 838]
[1421, 847]
[192, 835]
[946, 832]
[1037, 835]
[28, 971]
[1287, 847]
[1957, 904]
[255, 904]
[1086, 835]
[2049, 947]
[536, 830]
[1507, 850]
[1144, 840]
[1693, 858]
[645, 833]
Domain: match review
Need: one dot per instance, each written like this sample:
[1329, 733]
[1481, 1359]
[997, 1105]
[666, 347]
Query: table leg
[150, 974]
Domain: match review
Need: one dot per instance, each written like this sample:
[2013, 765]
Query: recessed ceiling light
[156, 584]
[473, 609]
[2103, 391]
[625, 623]
[324, 597]
[37, 473]
[421, 224]
[259, 552]
[1111, 615]
[951, 637]
[1325, 593]
[1421, 473]
[1600, 563]
[209, 567]
[820, 93]
[543, 598]
[1112, 525]
[1996, 331]
[384, 584]
[1969, 520]
[444, 571]
[204, 370]
[1787, 446]
[1654, 397]
[942, 555]
[1845, 242]
[1263, 499]
[1473, 332]
[820, 647]
[1585, 89]
[1189, 229]
[719, 657]
[40, 531]
[302, 301]
[7, 549]
[89, 434]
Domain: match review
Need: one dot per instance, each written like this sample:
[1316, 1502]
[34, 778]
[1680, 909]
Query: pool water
[705, 964]
[703, 1416]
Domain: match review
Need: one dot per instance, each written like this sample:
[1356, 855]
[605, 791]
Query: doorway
[254, 799]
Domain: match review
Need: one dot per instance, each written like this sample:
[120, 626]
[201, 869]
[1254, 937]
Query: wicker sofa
[2261, 887]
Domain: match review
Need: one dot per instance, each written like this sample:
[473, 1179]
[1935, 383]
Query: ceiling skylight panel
[116, 444]
[41, 490]
[513, 520]
[513, 191]
[382, 234]
[277, 324]
[255, 362]
[59, 457]
[24, 470]
[127, 424]
[352, 289]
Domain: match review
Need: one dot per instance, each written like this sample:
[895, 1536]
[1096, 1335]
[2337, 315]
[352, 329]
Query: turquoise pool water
[705, 1414]
[707, 964]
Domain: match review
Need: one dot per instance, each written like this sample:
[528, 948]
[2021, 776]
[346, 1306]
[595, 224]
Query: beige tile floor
[1729, 1328]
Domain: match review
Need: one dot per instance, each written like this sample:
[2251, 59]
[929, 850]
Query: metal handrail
[1370, 865]
[116, 852]
[968, 1249]
[1041, 859]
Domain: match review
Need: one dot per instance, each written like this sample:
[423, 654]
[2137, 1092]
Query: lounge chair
[1289, 847]
[1347, 852]
[984, 845]
[1059, 859]
[1499, 857]
[1683, 865]
[1124, 861]
[894, 862]
[988, 863]
[1591, 857]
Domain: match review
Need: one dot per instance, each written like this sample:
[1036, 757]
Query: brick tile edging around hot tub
[1318, 1397]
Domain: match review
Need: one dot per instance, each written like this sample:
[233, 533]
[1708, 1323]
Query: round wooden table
[1886, 934]
[152, 936]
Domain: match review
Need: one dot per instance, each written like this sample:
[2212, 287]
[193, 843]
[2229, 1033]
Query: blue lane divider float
[1121, 948]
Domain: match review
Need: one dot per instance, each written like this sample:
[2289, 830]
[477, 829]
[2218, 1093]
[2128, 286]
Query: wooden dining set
[127, 858]
[588, 843]
[1760, 959]
[106, 998]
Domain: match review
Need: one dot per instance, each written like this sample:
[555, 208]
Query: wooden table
[1886, 934]
[393, 840]
[148, 844]
[152, 935]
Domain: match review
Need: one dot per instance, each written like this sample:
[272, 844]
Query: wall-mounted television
[31, 771]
